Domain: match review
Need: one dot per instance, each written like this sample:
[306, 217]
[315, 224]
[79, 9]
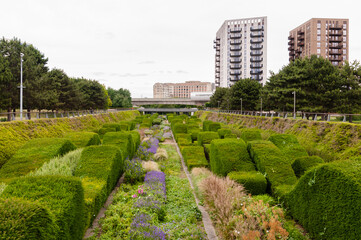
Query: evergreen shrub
[302, 164]
[223, 131]
[214, 126]
[289, 145]
[83, 139]
[122, 140]
[103, 131]
[207, 150]
[187, 137]
[254, 182]
[326, 200]
[116, 126]
[63, 196]
[230, 135]
[206, 137]
[157, 121]
[271, 162]
[33, 155]
[229, 155]
[250, 134]
[136, 139]
[179, 128]
[206, 124]
[194, 156]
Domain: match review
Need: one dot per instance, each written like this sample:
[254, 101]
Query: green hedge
[33, 155]
[214, 126]
[136, 139]
[21, 219]
[254, 182]
[302, 164]
[103, 131]
[270, 161]
[122, 140]
[207, 150]
[116, 126]
[83, 139]
[326, 200]
[206, 124]
[157, 121]
[250, 134]
[179, 128]
[194, 156]
[63, 196]
[206, 137]
[231, 135]
[99, 168]
[229, 155]
[187, 137]
[147, 121]
[223, 131]
[289, 145]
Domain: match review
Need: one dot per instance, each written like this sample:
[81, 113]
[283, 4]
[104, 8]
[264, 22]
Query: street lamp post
[261, 105]
[241, 106]
[218, 104]
[294, 104]
[21, 85]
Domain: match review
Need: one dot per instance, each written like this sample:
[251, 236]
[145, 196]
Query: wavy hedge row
[14, 134]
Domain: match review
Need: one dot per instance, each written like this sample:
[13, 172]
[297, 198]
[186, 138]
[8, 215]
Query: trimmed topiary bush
[250, 134]
[223, 131]
[157, 121]
[122, 140]
[147, 122]
[254, 182]
[21, 219]
[230, 135]
[194, 156]
[33, 155]
[289, 145]
[185, 136]
[179, 128]
[206, 137]
[103, 131]
[214, 126]
[83, 139]
[206, 124]
[116, 126]
[63, 196]
[193, 129]
[271, 162]
[326, 200]
[229, 155]
[136, 139]
[302, 164]
[207, 150]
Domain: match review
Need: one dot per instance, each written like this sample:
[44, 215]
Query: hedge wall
[122, 140]
[179, 128]
[116, 126]
[289, 145]
[194, 156]
[270, 161]
[250, 134]
[206, 137]
[83, 139]
[206, 125]
[21, 219]
[15, 134]
[214, 126]
[33, 155]
[254, 182]
[223, 131]
[229, 155]
[136, 139]
[302, 164]
[63, 196]
[326, 200]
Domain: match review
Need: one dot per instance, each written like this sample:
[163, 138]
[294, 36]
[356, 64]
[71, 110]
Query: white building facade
[241, 51]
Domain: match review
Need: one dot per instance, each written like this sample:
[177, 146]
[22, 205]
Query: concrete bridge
[181, 101]
[167, 110]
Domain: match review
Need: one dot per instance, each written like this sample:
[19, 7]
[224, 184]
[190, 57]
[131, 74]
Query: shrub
[143, 125]
[270, 161]
[134, 171]
[207, 150]
[157, 121]
[193, 129]
[21, 219]
[161, 155]
[83, 139]
[206, 124]
[136, 139]
[33, 155]
[103, 131]
[229, 155]
[186, 137]
[326, 200]
[231, 135]
[179, 128]
[63, 196]
[116, 126]
[122, 140]
[124, 127]
[302, 164]
[254, 182]
[214, 126]
[250, 134]
[206, 137]
[194, 156]
[147, 122]
[223, 131]
[99, 168]
[289, 145]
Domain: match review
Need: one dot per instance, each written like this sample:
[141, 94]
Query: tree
[5, 79]
[120, 98]
[218, 98]
[93, 94]
[247, 89]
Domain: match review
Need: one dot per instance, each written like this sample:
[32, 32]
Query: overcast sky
[133, 44]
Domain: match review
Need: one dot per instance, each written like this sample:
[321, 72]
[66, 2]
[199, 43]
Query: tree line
[319, 87]
[48, 89]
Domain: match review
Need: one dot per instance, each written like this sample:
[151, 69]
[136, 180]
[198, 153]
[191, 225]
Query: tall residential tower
[326, 37]
[241, 51]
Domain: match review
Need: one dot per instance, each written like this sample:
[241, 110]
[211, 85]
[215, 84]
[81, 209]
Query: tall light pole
[294, 104]
[21, 85]
[241, 105]
[218, 104]
[261, 105]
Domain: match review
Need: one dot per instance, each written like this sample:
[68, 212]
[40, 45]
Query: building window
[344, 51]
[318, 44]
[318, 38]
[344, 32]
[318, 31]
[318, 50]
[318, 25]
[344, 26]
[344, 45]
[344, 39]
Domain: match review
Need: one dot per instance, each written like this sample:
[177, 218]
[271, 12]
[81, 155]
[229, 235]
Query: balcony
[335, 45]
[335, 39]
[291, 48]
[256, 65]
[235, 60]
[218, 59]
[256, 47]
[257, 78]
[335, 27]
[235, 66]
[335, 58]
[291, 43]
[235, 73]
[257, 40]
[291, 38]
[217, 54]
[236, 54]
[256, 59]
[217, 70]
[257, 28]
[235, 30]
[335, 33]
[300, 44]
[257, 34]
[292, 53]
[238, 48]
[235, 36]
[335, 52]
[218, 64]
[256, 72]
[299, 50]
[236, 42]
[300, 32]
[236, 78]
[256, 53]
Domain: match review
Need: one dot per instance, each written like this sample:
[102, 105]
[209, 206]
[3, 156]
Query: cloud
[147, 62]
[98, 73]
[182, 72]
[129, 75]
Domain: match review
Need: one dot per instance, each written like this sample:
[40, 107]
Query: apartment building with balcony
[241, 51]
[326, 37]
[180, 90]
